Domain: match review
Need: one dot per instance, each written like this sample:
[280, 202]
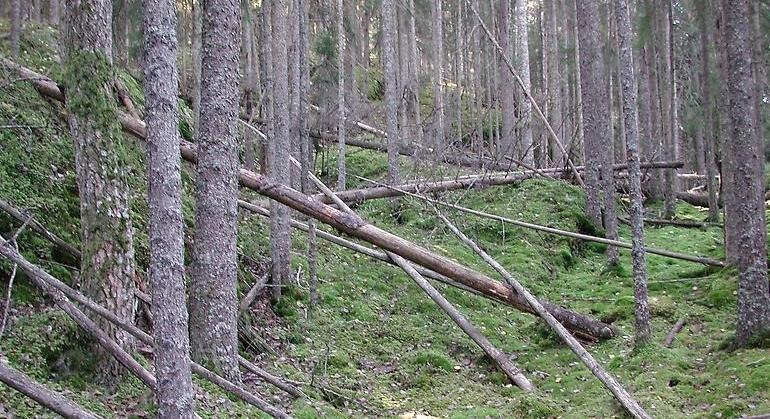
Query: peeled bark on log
[56, 287]
[35, 275]
[52, 401]
[357, 227]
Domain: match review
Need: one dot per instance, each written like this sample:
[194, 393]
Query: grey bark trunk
[213, 282]
[391, 88]
[506, 91]
[196, 62]
[414, 78]
[438, 66]
[174, 392]
[631, 127]
[522, 64]
[15, 27]
[107, 265]
[748, 178]
[278, 163]
[670, 148]
[554, 82]
[341, 171]
[708, 133]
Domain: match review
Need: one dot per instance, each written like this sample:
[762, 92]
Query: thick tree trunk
[631, 127]
[278, 163]
[174, 392]
[212, 297]
[748, 178]
[107, 266]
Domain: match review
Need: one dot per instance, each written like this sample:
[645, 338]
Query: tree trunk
[107, 266]
[278, 163]
[554, 77]
[631, 127]
[748, 178]
[174, 392]
[391, 88]
[15, 27]
[414, 77]
[120, 23]
[522, 64]
[708, 134]
[506, 92]
[341, 171]
[213, 282]
[196, 63]
[672, 137]
[54, 12]
[438, 90]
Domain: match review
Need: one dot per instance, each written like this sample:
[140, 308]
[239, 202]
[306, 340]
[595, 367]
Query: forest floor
[381, 347]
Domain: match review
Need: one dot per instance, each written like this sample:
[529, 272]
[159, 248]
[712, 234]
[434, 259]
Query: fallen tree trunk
[357, 227]
[58, 290]
[36, 226]
[694, 198]
[501, 359]
[52, 401]
[609, 381]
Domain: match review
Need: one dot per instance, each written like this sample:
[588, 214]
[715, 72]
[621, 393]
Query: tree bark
[391, 88]
[212, 296]
[631, 127]
[341, 171]
[15, 19]
[278, 163]
[174, 393]
[107, 266]
[439, 134]
[708, 134]
[748, 177]
[522, 62]
[507, 144]
[554, 77]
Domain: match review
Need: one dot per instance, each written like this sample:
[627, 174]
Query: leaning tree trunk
[748, 178]
[278, 163]
[174, 392]
[107, 265]
[631, 126]
[213, 282]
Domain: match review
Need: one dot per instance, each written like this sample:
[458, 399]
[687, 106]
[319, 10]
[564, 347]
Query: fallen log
[59, 290]
[40, 229]
[609, 381]
[357, 227]
[651, 250]
[501, 359]
[51, 400]
[85, 323]
[694, 198]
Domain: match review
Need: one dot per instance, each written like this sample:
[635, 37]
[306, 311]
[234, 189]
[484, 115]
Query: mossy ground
[383, 346]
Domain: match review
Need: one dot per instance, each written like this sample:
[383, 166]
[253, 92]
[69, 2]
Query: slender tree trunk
[174, 392]
[748, 178]
[265, 33]
[708, 135]
[631, 127]
[250, 93]
[477, 139]
[53, 12]
[107, 265]
[414, 78]
[280, 235]
[214, 279]
[670, 149]
[15, 27]
[598, 142]
[522, 64]
[341, 171]
[438, 66]
[120, 24]
[391, 88]
[196, 63]
[506, 91]
[554, 77]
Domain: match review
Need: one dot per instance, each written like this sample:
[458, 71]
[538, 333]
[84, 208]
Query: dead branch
[674, 330]
[36, 226]
[52, 401]
[613, 385]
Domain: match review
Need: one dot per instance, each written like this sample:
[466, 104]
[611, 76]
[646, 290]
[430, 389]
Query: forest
[384, 208]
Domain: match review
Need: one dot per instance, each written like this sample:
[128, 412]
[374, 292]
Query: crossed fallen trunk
[357, 227]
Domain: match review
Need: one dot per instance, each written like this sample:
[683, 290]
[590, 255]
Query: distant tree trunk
[196, 63]
[391, 88]
[214, 278]
[592, 97]
[439, 133]
[249, 88]
[53, 12]
[107, 265]
[671, 148]
[708, 134]
[341, 171]
[477, 139]
[598, 141]
[748, 177]
[414, 77]
[292, 38]
[554, 81]
[174, 394]
[120, 24]
[631, 127]
[266, 52]
[15, 27]
[522, 62]
[278, 163]
[34, 11]
[507, 140]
